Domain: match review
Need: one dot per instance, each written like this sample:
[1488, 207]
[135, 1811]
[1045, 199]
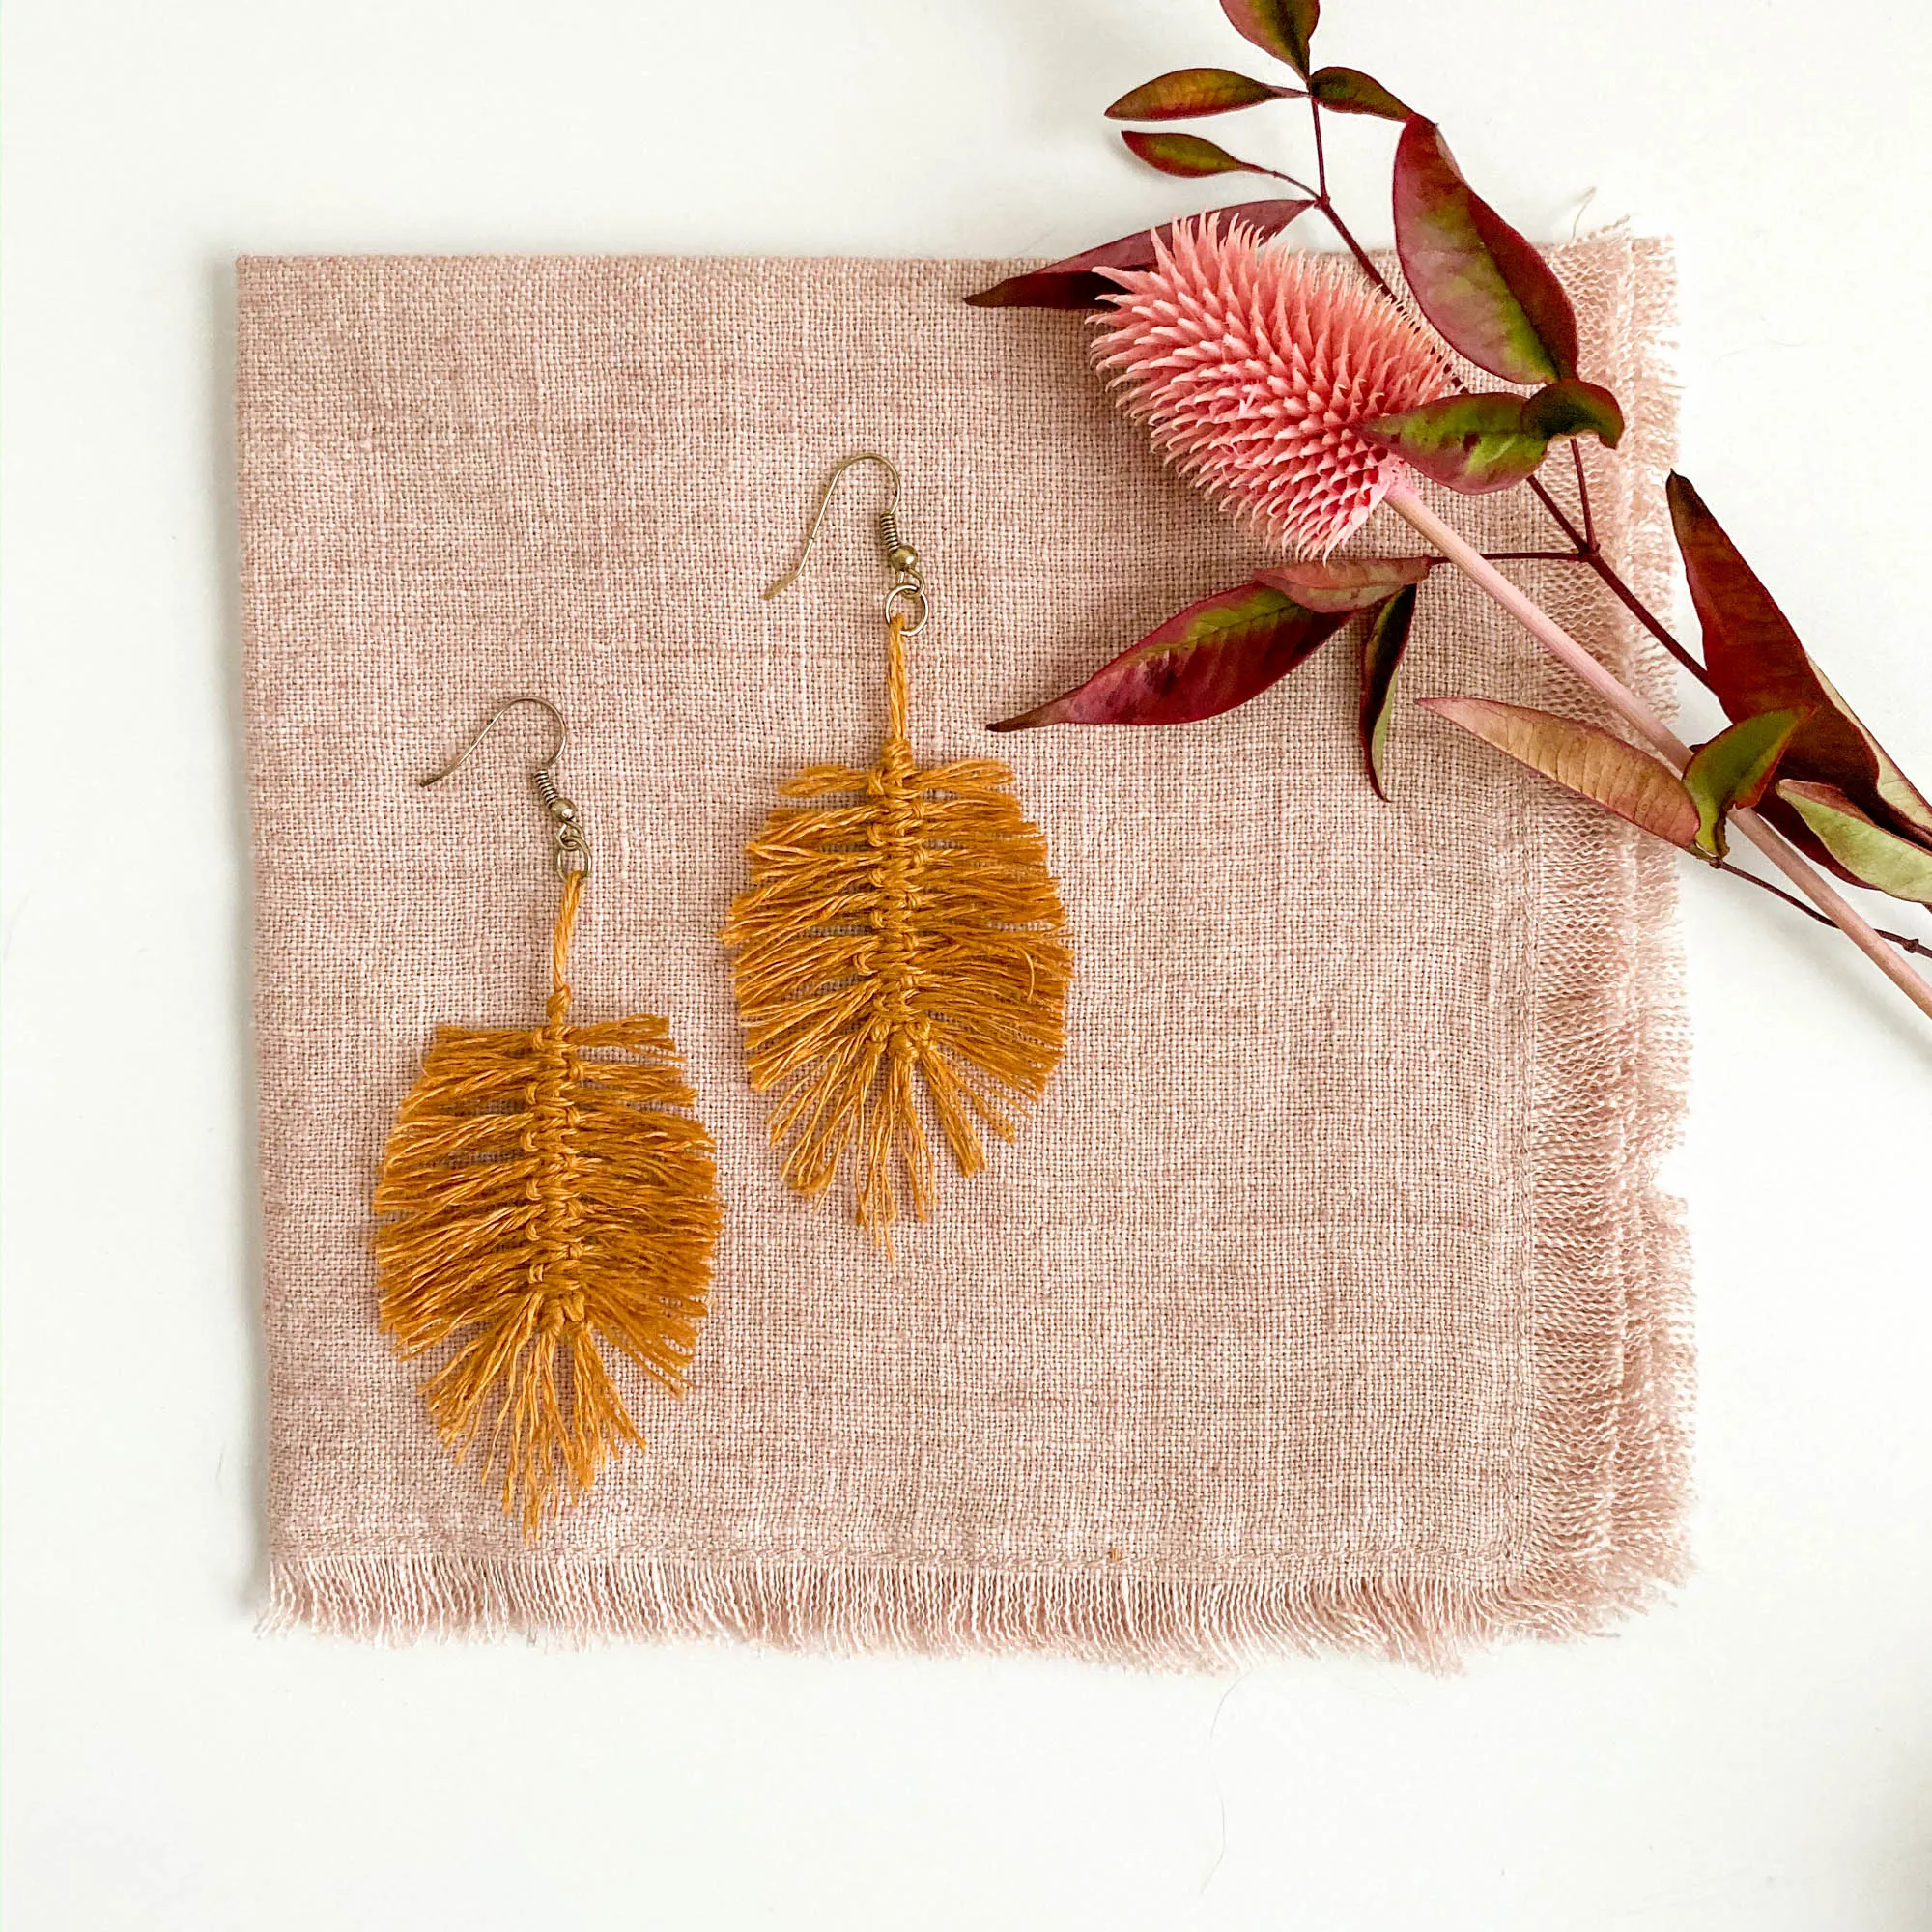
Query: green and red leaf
[1731, 772]
[1349, 91]
[1582, 760]
[1868, 852]
[1757, 664]
[1471, 443]
[1282, 28]
[1190, 157]
[1382, 658]
[1076, 282]
[1205, 660]
[1574, 408]
[1896, 792]
[1192, 91]
[1347, 583]
[1487, 292]
[1479, 443]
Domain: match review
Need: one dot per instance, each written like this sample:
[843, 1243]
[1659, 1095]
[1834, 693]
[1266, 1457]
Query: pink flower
[1252, 367]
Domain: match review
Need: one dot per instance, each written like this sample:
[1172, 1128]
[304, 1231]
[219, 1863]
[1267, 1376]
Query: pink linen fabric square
[1328, 1300]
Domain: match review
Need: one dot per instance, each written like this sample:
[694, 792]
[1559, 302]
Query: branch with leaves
[1216, 337]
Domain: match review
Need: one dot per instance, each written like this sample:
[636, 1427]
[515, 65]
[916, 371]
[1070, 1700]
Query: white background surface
[1755, 1757]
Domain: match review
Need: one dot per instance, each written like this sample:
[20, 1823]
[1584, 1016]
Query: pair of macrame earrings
[548, 1193]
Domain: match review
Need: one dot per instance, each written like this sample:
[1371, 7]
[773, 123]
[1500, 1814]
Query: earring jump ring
[903, 597]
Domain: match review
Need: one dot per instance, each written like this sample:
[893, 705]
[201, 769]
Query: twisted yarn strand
[545, 1195]
[898, 954]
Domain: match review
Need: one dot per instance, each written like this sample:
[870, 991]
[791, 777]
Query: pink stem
[1635, 713]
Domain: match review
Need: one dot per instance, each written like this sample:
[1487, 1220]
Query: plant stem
[1355, 247]
[1588, 553]
[1584, 495]
[1363, 260]
[1559, 516]
[1637, 609]
[1904, 938]
[1638, 715]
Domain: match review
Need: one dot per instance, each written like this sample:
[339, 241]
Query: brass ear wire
[908, 593]
[573, 847]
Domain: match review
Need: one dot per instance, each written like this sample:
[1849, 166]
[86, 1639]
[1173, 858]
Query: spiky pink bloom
[1252, 368]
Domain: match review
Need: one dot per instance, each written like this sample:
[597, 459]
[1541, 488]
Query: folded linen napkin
[1328, 1299]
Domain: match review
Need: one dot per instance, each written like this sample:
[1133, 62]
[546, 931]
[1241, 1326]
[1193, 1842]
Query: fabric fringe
[1168, 1623]
[1654, 1487]
[1611, 1246]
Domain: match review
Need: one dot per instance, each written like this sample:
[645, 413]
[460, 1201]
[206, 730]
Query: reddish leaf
[1190, 157]
[1757, 664]
[1282, 28]
[1347, 583]
[1582, 760]
[1192, 91]
[1868, 852]
[1731, 772]
[1751, 651]
[1472, 444]
[1382, 658]
[1348, 91]
[1207, 659]
[1485, 288]
[1075, 283]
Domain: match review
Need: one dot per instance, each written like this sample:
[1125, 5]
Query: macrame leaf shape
[546, 1195]
[899, 950]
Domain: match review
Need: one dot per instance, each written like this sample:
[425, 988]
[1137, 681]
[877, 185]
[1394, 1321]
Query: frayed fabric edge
[1175, 1623]
[1654, 1489]
[1612, 1273]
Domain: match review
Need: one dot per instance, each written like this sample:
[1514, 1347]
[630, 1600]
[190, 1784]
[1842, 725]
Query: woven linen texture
[1325, 1301]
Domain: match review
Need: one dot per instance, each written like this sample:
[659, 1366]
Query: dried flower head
[1252, 368]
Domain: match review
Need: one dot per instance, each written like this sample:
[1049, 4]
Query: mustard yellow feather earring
[899, 949]
[546, 1195]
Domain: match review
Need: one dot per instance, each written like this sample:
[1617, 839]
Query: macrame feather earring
[899, 949]
[546, 1195]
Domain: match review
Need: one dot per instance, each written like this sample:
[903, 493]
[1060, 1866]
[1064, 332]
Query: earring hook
[489, 724]
[573, 848]
[901, 560]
